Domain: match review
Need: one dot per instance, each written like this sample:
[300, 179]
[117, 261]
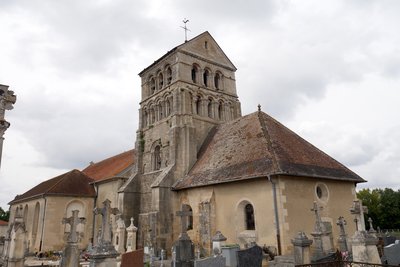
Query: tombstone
[322, 235]
[302, 245]
[358, 211]
[132, 258]
[392, 254]
[217, 261]
[218, 241]
[342, 240]
[251, 257]
[131, 237]
[17, 241]
[183, 248]
[71, 253]
[230, 254]
[103, 253]
[364, 248]
[120, 234]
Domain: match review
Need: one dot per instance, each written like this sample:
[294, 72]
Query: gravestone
[71, 253]
[183, 248]
[251, 257]
[217, 261]
[364, 247]
[131, 237]
[17, 241]
[301, 245]
[322, 235]
[132, 259]
[120, 234]
[358, 211]
[388, 240]
[103, 253]
[342, 240]
[392, 254]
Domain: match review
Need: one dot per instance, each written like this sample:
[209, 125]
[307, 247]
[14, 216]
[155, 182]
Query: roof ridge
[109, 158]
[264, 129]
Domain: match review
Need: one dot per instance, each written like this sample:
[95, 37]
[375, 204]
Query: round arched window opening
[321, 191]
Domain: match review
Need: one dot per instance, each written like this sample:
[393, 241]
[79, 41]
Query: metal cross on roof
[185, 28]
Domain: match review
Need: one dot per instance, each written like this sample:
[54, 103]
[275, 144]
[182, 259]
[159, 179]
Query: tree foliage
[4, 215]
[383, 207]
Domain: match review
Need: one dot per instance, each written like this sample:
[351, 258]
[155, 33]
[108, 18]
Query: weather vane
[185, 28]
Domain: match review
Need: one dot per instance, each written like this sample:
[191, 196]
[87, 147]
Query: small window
[206, 74]
[152, 85]
[194, 74]
[249, 216]
[157, 158]
[206, 45]
[217, 79]
[220, 107]
[321, 192]
[169, 75]
[209, 108]
[160, 81]
[198, 104]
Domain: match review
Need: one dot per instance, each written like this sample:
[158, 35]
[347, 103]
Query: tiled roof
[110, 167]
[257, 145]
[3, 223]
[72, 183]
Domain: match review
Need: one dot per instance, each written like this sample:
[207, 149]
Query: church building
[248, 176]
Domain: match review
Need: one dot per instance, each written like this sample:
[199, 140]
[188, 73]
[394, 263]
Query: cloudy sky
[329, 70]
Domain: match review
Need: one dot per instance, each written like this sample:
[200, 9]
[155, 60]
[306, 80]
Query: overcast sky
[329, 70]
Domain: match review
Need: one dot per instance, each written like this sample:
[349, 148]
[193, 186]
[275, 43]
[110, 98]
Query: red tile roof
[72, 183]
[3, 223]
[257, 145]
[110, 167]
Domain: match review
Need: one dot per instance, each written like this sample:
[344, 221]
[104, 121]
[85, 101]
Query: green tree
[4, 215]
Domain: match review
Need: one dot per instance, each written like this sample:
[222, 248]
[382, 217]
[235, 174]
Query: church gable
[257, 145]
[205, 47]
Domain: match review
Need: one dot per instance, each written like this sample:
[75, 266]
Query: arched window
[194, 74]
[217, 80]
[220, 110]
[249, 217]
[145, 117]
[189, 218]
[169, 75]
[160, 111]
[160, 81]
[26, 214]
[209, 108]
[157, 158]
[35, 222]
[206, 74]
[152, 85]
[198, 104]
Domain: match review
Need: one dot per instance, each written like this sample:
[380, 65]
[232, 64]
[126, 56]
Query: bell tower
[184, 94]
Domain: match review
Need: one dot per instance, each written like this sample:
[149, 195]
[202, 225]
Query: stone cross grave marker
[73, 221]
[358, 211]
[106, 212]
[184, 214]
[318, 222]
[341, 222]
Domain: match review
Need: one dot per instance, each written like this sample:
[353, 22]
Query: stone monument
[16, 241]
[7, 100]
[322, 236]
[120, 235]
[301, 245]
[363, 244]
[183, 248]
[131, 238]
[342, 240]
[71, 252]
[103, 253]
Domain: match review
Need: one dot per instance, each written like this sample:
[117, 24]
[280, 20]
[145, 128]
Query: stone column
[301, 251]
[17, 243]
[131, 239]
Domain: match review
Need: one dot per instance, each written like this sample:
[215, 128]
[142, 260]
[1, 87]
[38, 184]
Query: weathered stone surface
[251, 257]
[218, 261]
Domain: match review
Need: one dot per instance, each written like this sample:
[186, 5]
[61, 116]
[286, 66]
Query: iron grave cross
[106, 212]
[184, 213]
[185, 28]
[73, 221]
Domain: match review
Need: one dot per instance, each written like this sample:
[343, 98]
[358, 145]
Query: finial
[185, 28]
[259, 107]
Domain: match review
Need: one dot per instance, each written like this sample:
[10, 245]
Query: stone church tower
[185, 94]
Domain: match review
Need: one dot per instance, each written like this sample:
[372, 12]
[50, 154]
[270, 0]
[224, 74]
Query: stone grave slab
[133, 258]
[251, 257]
[392, 254]
[218, 261]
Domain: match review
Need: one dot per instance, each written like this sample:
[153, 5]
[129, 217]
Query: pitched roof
[182, 47]
[72, 183]
[3, 223]
[111, 166]
[257, 145]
